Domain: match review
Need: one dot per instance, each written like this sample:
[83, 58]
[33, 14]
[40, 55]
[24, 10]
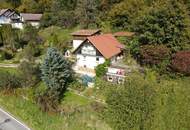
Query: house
[17, 20]
[32, 19]
[10, 16]
[116, 74]
[81, 35]
[96, 50]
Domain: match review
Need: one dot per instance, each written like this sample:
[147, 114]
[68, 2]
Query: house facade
[17, 20]
[96, 50]
[32, 19]
[9, 16]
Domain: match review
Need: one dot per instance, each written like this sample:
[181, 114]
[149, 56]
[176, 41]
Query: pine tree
[56, 73]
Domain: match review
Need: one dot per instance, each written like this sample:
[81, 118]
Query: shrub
[101, 69]
[131, 107]
[30, 73]
[31, 51]
[153, 55]
[2, 56]
[97, 107]
[6, 54]
[9, 81]
[77, 86]
[181, 62]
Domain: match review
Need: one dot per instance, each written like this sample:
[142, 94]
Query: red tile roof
[106, 44]
[85, 32]
[124, 34]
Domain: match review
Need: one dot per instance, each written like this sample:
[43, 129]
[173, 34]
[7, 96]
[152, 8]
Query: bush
[153, 55]
[9, 81]
[30, 73]
[31, 51]
[77, 86]
[181, 62]
[6, 54]
[101, 69]
[2, 56]
[131, 107]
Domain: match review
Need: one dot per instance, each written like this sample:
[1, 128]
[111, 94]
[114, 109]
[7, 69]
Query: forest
[155, 98]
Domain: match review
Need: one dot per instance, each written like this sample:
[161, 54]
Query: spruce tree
[56, 73]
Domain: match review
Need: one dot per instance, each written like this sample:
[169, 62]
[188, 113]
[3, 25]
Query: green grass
[77, 112]
[63, 35]
[11, 70]
[30, 113]
[71, 98]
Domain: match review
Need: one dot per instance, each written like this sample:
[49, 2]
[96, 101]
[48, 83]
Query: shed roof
[86, 32]
[31, 17]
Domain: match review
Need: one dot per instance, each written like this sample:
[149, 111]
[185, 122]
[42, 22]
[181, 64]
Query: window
[97, 59]
[84, 58]
[120, 81]
[110, 79]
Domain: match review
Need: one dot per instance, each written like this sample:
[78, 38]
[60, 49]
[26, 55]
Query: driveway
[8, 122]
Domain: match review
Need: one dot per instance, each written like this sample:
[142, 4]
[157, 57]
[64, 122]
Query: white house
[10, 16]
[17, 20]
[81, 35]
[33, 19]
[94, 51]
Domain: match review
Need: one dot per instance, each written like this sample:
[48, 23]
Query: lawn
[78, 113]
[11, 70]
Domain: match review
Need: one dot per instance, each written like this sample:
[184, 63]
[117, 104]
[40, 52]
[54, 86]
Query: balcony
[88, 52]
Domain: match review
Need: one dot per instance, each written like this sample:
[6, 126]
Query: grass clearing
[71, 98]
[77, 115]
[11, 70]
[29, 113]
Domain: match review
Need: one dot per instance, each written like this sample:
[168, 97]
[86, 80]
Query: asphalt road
[8, 122]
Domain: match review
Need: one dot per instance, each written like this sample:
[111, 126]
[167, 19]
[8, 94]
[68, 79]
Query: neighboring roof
[86, 32]
[2, 11]
[106, 44]
[124, 34]
[31, 17]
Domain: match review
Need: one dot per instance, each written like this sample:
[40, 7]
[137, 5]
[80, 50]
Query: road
[8, 122]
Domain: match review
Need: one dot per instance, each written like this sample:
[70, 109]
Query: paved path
[8, 122]
[8, 65]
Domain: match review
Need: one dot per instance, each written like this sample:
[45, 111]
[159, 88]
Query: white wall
[89, 61]
[4, 20]
[35, 24]
[88, 49]
[17, 25]
[76, 43]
